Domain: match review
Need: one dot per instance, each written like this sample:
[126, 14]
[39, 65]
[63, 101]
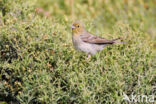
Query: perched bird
[86, 42]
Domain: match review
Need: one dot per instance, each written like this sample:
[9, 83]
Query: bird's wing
[89, 38]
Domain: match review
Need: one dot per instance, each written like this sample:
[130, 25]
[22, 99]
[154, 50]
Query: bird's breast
[76, 41]
[82, 46]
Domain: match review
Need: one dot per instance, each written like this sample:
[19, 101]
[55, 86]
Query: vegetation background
[38, 64]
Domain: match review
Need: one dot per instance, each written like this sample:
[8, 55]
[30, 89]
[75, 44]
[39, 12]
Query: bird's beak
[73, 27]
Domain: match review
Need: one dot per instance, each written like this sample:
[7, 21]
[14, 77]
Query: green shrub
[39, 65]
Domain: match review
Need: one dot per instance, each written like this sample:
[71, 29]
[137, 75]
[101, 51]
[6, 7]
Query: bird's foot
[89, 56]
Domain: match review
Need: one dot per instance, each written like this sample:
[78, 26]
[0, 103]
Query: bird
[87, 42]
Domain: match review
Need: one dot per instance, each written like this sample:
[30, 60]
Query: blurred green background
[38, 64]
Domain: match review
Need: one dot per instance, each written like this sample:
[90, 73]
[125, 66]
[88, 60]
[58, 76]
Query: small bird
[86, 42]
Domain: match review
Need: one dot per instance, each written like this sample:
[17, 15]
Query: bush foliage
[39, 65]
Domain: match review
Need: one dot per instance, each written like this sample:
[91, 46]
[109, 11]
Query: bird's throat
[77, 31]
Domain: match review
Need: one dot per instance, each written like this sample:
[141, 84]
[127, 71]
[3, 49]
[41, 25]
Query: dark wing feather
[89, 38]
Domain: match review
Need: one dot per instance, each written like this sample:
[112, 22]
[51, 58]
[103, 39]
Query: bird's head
[77, 27]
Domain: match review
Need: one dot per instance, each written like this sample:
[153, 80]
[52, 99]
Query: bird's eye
[78, 26]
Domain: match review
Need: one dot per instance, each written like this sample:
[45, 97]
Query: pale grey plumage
[86, 42]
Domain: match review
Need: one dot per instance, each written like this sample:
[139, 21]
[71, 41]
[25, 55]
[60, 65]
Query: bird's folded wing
[89, 38]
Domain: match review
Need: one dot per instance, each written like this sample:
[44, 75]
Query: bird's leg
[89, 55]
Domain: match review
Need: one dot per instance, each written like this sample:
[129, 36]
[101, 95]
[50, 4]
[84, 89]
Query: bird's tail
[117, 42]
[116, 39]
